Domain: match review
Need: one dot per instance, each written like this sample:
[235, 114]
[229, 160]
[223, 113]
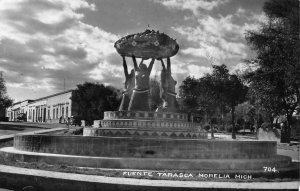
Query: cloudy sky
[43, 42]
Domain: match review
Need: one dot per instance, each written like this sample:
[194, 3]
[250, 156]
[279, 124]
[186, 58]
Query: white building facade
[17, 110]
[54, 108]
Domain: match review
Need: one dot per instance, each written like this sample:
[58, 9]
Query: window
[53, 113]
[57, 113]
[62, 111]
[67, 111]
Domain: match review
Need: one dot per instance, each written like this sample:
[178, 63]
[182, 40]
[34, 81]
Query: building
[54, 108]
[18, 111]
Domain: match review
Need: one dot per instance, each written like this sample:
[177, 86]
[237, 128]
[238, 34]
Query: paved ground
[37, 125]
[11, 128]
[291, 150]
[4, 130]
[293, 154]
[239, 137]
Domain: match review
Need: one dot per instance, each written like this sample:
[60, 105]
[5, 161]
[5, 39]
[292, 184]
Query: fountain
[162, 140]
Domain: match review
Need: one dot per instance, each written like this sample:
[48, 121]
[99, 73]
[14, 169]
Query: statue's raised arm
[128, 86]
[136, 68]
[169, 65]
[151, 66]
[162, 63]
[125, 67]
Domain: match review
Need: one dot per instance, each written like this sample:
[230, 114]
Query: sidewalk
[282, 148]
[31, 124]
[9, 129]
[42, 131]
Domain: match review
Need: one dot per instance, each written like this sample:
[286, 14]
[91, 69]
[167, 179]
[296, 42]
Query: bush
[5, 119]
[221, 128]
[238, 127]
[229, 128]
[207, 127]
[266, 125]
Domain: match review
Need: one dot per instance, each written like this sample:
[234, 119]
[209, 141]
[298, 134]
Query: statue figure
[140, 97]
[128, 87]
[167, 88]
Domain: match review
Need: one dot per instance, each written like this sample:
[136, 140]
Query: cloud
[99, 74]
[192, 5]
[43, 42]
[201, 52]
[198, 71]
[219, 39]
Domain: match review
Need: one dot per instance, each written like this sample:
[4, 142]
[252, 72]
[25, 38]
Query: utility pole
[64, 84]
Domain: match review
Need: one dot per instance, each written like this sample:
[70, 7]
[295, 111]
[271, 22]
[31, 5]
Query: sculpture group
[152, 45]
[136, 87]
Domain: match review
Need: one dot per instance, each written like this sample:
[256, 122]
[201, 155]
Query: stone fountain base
[155, 142]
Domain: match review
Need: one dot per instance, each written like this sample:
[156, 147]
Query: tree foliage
[5, 101]
[276, 82]
[246, 115]
[92, 99]
[229, 89]
[189, 91]
[214, 93]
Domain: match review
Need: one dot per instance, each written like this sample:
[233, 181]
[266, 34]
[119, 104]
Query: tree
[276, 82]
[214, 93]
[92, 99]
[245, 114]
[219, 77]
[198, 97]
[229, 89]
[189, 91]
[5, 101]
[234, 94]
[208, 100]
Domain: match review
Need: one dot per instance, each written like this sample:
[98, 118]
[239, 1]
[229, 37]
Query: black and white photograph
[138, 95]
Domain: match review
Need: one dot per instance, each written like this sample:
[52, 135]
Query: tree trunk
[223, 124]
[271, 119]
[288, 128]
[232, 122]
[211, 129]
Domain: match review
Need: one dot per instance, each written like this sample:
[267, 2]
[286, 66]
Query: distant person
[283, 130]
[252, 129]
[68, 122]
[72, 121]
